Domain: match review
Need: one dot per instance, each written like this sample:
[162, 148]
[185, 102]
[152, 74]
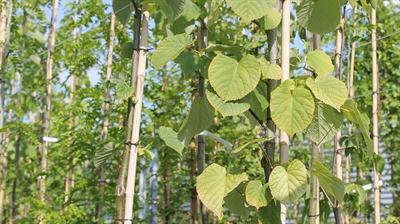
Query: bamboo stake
[338, 151]
[5, 28]
[284, 138]
[131, 178]
[375, 117]
[49, 72]
[121, 182]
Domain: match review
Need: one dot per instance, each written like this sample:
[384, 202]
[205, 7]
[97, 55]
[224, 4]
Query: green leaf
[319, 16]
[329, 90]
[169, 49]
[270, 214]
[250, 143]
[223, 48]
[288, 185]
[320, 62]
[227, 108]
[256, 194]
[123, 91]
[213, 185]
[127, 50]
[292, 108]
[170, 137]
[351, 112]
[35, 58]
[260, 94]
[379, 163]
[233, 80]
[188, 61]
[271, 20]
[235, 201]
[356, 191]
[325, 124]
[191, 10]
[330, 183]
[172, 8]
[103, 154]
[374, 3]
[123, 10]
[268, 70]
[201, 116]
[249, 10]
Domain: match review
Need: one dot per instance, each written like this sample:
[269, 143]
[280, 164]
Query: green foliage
[330, 183]
[320, 62]
[249, 10]
[123, 10]
[257, 194]
[233, 80]
[170, 137]
[103, 154]
[319, 16]
[288, 185]
[169, 49]
[213, 184]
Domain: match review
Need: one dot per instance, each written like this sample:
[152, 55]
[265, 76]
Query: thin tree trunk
[121, 183]
[375, 117]
[338, 151]
[313, 214]
[284, 138]
[104, 134]
[131, 177]
[49, 77]
[268, 163]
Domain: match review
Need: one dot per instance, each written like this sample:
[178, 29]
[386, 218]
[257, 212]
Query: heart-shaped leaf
[257, 194]
[288, 185]
[292, 108]
[213, 185]
[233, 80]
[320, 62]
[170, 137]
[249, 10]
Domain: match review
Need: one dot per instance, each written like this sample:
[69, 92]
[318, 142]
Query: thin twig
[326, 195]
[260, 121]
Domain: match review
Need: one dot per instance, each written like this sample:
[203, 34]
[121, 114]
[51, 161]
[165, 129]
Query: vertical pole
[284, 138]
[338, 151]
[375, 117]
[131, 178]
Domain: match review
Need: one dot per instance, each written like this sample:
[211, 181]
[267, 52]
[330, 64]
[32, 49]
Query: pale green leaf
[249, 10]
[191, 10]
[268, 70]
[330, 183]
[213, 185]
[356, 190]
[320, 62]
[228, 108]
[235, 201]
[256, 194]
[232, 181]
[351, 112]
[103, 154]
[292, 108]
[123, 10]
[169, 49]
[325, 124]
[35, 58]
[233, 80]
[260, 94]
[271, 20]
[38, 36]
[201, 116]
[288, 185]
[329, 90]
[250, 143]
[319, 16]
[172, 8]
[270, 214]
[123, 91]
[127, 50]
[170, 137]
[223, 48]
